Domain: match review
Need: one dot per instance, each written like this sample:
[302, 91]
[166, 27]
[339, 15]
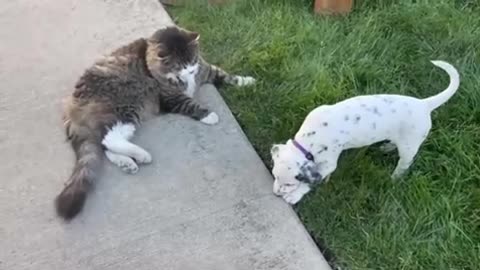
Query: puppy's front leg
[295, 196]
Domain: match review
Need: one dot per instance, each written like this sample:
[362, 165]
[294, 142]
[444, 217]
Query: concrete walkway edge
[204, 203]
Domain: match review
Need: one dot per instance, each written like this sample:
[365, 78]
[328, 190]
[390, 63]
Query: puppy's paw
[244, 80]
[396, 176]
[293, 198]
[210, 119]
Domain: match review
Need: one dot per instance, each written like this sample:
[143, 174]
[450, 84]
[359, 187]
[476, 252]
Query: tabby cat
[120, 91]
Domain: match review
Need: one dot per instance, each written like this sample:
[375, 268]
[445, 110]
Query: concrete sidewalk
[204, 203]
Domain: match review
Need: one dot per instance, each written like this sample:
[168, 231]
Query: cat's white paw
[293, 198]
[245, 80]
[143, 157]
[125, 163]
[172, 78]
[210, 119]
[129, 167]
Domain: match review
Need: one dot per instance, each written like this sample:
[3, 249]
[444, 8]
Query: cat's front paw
[244, 80]
[210, 119]
[172, 79]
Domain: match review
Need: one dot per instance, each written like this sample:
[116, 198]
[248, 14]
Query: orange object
[333, 6]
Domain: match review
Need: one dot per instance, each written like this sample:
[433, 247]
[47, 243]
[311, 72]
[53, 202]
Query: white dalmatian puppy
[311, 156]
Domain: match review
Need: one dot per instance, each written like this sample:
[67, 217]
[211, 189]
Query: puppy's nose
[276, 189]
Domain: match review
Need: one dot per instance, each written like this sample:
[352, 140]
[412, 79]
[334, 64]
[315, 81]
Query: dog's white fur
[359, 121]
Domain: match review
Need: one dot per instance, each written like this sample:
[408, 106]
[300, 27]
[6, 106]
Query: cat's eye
[162, 54]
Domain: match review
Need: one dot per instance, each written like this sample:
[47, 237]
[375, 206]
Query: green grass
[430, 219]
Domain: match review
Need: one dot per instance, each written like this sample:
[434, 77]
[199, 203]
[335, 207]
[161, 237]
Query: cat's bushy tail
[89, 155]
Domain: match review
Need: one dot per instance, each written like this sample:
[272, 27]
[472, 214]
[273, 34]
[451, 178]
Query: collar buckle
[308, 155]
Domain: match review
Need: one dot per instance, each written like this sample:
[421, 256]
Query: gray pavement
[204, 203]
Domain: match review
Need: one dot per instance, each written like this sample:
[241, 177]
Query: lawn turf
[431, 218]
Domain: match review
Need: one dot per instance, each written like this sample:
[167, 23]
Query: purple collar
[308, 155]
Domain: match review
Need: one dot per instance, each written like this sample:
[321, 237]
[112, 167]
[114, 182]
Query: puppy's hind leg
[407, 153]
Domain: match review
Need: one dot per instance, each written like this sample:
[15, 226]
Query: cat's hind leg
[117, 141]
[127, 164]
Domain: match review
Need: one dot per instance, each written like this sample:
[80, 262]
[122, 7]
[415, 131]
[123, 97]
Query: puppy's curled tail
[89, 155]
[437, 100]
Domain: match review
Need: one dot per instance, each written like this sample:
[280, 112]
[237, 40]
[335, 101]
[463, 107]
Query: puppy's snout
[276, 189]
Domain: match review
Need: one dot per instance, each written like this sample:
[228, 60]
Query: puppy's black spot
[325, 124]
[375, 111]
[388, 101]
[316, 175]
[346, 118]
[302, 178]
[357, 119]
[325, 148]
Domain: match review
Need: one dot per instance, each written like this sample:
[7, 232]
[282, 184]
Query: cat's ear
[193, 37]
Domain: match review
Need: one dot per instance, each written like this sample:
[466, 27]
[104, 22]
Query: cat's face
[172, 51]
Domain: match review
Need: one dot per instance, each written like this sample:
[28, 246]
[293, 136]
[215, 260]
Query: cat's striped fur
[119, 92]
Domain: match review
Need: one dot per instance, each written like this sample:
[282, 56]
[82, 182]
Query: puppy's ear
[314, 174]
[309, 174]
[275, 149]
